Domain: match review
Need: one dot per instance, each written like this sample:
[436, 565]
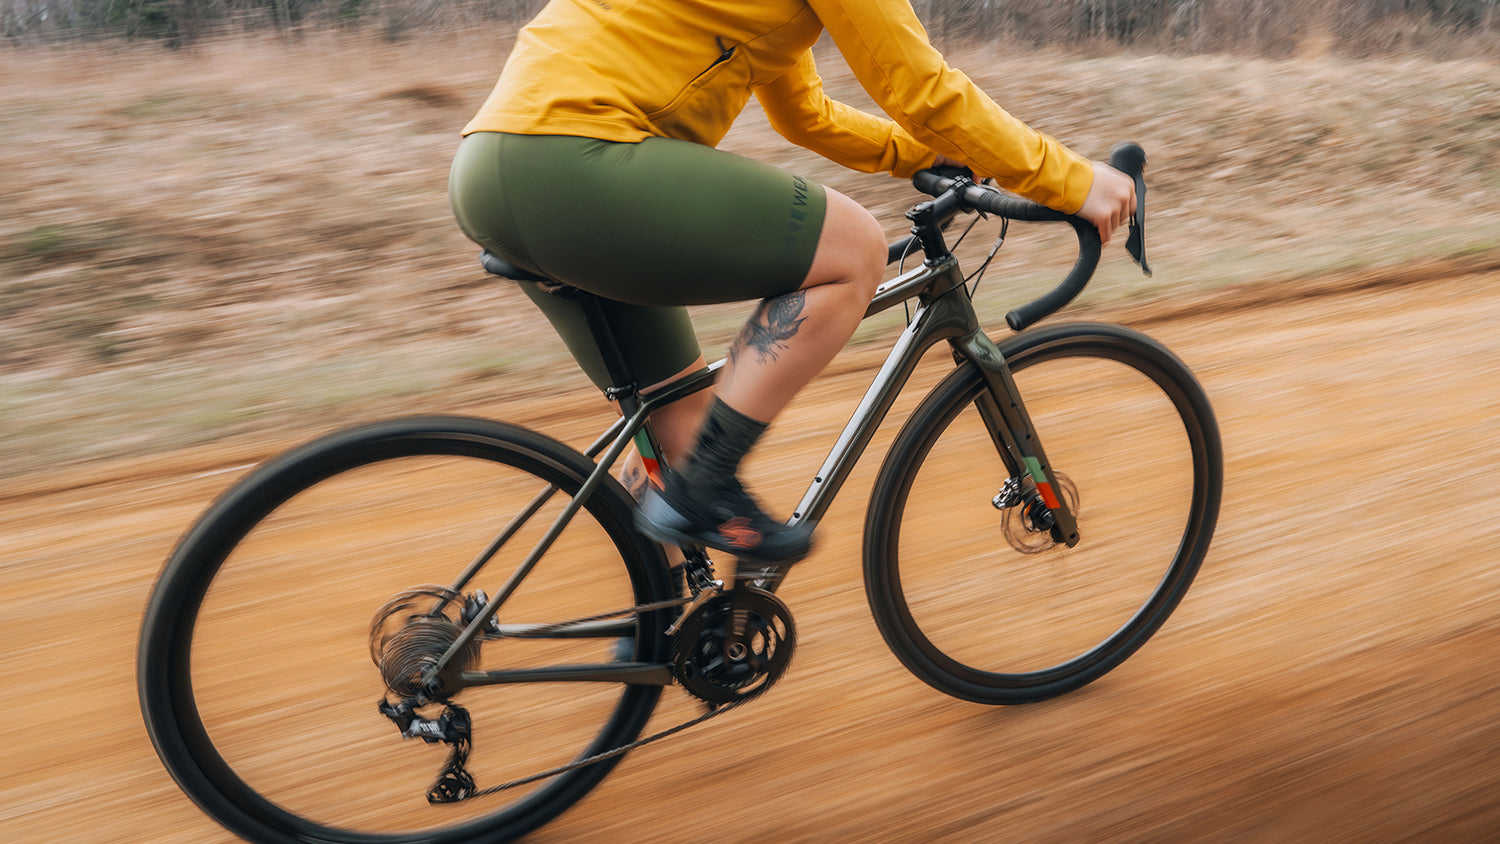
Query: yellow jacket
[625, 70]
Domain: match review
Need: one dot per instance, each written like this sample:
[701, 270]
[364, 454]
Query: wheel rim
[289, 727]
[976, 618]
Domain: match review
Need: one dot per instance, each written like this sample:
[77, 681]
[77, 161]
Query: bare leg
[789, 339]
[787, 342]
[676, 425]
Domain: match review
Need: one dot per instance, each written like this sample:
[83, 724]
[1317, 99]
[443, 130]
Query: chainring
[734, 646]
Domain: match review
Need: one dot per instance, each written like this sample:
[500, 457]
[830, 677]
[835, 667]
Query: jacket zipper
[725, 54]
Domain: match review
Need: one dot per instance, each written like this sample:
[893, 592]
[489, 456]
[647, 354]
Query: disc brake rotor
[1026, 524]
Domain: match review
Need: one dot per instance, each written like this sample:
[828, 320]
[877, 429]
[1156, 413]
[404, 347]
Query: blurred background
[224, 229]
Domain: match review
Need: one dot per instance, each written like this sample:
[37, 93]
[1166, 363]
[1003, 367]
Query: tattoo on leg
[772, 324]
[634, 478]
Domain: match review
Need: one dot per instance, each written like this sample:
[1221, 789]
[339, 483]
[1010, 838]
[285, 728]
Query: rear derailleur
[408, 637]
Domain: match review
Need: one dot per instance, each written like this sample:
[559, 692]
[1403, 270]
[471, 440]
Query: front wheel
[256, 674]
[965, 582]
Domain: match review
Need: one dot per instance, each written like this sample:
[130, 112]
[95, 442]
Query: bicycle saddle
[497, 265]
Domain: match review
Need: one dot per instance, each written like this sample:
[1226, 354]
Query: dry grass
[256, 232]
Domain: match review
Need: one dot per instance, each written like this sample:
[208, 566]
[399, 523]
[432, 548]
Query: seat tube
[1005, 416]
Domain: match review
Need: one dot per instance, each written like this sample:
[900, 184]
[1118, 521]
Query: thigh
[662, 222]
[656, 341]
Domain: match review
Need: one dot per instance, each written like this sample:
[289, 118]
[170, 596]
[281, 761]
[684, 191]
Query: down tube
[947, 317]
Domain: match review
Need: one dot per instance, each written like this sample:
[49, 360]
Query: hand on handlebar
[1116, 197]
[1110, 202]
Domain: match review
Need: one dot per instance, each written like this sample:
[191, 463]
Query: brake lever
[1130, 159]
[1135, 244]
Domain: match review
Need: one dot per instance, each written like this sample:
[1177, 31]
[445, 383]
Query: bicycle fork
[945, 313]
[1011, 430]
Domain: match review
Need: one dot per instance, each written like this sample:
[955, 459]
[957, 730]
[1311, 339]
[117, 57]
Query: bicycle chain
[600, 757]
[540, 631]
[454, 772]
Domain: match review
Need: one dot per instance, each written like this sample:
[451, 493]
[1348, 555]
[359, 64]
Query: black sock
[725, 438]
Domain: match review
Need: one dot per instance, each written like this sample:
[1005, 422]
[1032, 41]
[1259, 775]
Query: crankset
[733, 646]
[729, 647]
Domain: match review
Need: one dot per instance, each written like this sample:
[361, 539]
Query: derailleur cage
[454, 728]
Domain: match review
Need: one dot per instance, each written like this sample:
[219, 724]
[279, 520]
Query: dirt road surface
[1330, 677]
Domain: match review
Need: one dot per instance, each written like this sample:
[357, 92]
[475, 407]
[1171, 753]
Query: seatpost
[623, 387]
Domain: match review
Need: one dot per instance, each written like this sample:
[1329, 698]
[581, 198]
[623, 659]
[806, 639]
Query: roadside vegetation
[1261, 27]
[245, 226]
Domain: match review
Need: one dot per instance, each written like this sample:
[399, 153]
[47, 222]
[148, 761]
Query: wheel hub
[1025, 519]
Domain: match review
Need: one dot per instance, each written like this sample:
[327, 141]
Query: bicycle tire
[252, 693]
[970, 614]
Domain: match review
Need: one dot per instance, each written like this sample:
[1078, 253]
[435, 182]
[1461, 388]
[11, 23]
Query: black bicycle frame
[943, 313]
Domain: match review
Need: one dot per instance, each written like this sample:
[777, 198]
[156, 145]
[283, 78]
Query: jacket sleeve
[942, 109]
[800, 111]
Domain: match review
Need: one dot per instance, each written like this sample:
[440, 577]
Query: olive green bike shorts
[650, 227]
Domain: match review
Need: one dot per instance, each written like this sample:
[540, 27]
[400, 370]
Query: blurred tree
[1268, 27]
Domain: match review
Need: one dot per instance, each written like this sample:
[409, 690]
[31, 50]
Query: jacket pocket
[689, 91]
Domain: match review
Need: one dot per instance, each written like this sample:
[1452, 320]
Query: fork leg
[1005, 416]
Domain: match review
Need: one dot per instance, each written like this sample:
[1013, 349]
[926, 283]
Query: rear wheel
[255, 668]
[974, 596]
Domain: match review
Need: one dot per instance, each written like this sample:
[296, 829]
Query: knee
[852, 248]
[871, 252]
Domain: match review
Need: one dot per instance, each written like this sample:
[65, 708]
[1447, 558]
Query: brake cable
[971, 284]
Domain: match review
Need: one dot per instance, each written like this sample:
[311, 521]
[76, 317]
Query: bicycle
[253, 673]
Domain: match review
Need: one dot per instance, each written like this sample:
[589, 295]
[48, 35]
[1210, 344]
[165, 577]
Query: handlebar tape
[1058, 297]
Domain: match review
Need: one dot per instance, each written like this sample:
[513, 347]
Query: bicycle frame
[363, 503]
[943, 313]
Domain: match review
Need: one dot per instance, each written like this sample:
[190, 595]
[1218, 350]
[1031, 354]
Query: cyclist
[593, 162]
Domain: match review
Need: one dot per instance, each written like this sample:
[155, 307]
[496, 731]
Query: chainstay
[544, 629]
